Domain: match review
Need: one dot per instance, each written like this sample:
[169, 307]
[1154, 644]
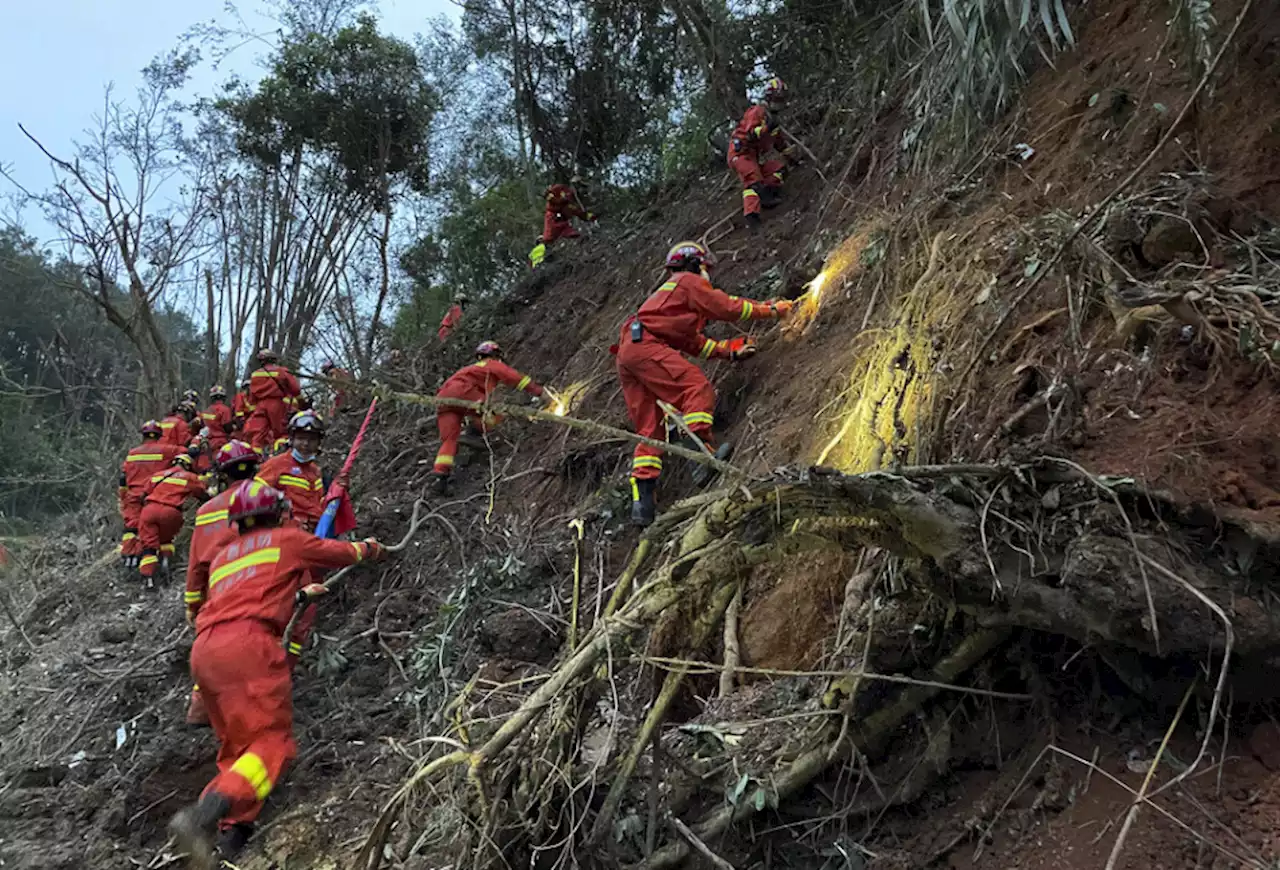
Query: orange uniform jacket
[754, 135]
[475, 382]
[258, 573]
[273, 382]
[175, 430]
[562, 202]
[212, 532]
[173, 486]
[678, 311]
[300, 481]
[217, 418]
[143, 461]
[452, 318]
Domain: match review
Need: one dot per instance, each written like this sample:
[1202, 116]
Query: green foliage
[356, 95]
[68, 382]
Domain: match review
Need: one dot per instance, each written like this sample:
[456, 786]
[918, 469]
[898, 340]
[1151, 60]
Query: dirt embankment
[1085, 369]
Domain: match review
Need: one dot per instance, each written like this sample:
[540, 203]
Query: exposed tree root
[1073, 564]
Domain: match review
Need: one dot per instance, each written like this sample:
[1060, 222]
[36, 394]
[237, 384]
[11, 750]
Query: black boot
[232, 840]
[474, 438]
[443, 484]
[195, 827]
[770, 195]
[704, 474]
[644, 508]
[753, 222]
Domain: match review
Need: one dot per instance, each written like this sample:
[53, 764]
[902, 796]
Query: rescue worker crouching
[473, 383]
[218, 418]
[562, 206]
[140, 464]
[161, 517]
[756, 135]
[652, 365]
[235, 462]
[242, 671]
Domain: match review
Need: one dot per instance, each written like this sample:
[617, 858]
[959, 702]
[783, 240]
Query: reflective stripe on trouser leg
[449, 425]
[150, 561]
[750, 202]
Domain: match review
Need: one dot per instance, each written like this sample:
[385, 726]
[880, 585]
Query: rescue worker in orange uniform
[473, 383]
[756, 135]
[452, 317]
[652, 365]
[161, 517]
[176, 426]
[201, 454]
[342, 381]
[141, 462]
[218, 418]
[241, 406]
[243, 673]
[296, 473]
[235, 462]
[562, 205]
[274, 392]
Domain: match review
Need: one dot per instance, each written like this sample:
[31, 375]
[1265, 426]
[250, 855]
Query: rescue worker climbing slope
[236, 462]
[176, 426]
[296, 473]
[161, 517]
[452, 317]
[756, 135]
[140, 464]
[274, 392]
[474, 383]
[218, 417]
[343, 381]
[241, 406]
[242, 671]
[562, 205]
[652, 368]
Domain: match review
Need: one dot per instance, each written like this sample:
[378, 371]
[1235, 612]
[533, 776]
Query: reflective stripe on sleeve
[667, 287]
[211, 517]
[707, 349]
[295, 648]
[747, 309]
[647, 462]
[190, 597]
[524, 382]
[698, 418]
[145, 457]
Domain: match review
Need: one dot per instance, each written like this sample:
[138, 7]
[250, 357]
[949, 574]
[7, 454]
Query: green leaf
[1030, 268]
[759, 799]
[1063, 24]
[1093, 101]
[735, 793]
[1161, 108]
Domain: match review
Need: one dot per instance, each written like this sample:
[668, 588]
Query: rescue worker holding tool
[243, 673]
[474, 383]
[140, 464]
[452, 317]
[538, 253]
[217, 418]
[176, 426]
[652, 366]
[236, 462]
[756, 135]
[161, 517]
[562, 205]
[274, 392]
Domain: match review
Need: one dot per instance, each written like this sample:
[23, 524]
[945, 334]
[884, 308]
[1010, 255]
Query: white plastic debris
[122, 734]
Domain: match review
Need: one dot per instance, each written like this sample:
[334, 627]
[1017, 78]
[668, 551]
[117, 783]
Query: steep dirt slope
[921, 277]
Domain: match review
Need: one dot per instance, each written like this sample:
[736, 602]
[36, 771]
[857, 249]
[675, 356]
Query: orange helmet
[689, 257]
[486, 349]
[251, 500]
[151, 429]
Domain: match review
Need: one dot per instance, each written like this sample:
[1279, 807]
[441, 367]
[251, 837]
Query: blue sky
[56, 56]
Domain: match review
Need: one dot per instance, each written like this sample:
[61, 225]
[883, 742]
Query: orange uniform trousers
[555, 226]
[246, 685]
[651, 371]
[752, 172]
[449, 422]
[158, 525]
[131, 513]
[269, 421]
